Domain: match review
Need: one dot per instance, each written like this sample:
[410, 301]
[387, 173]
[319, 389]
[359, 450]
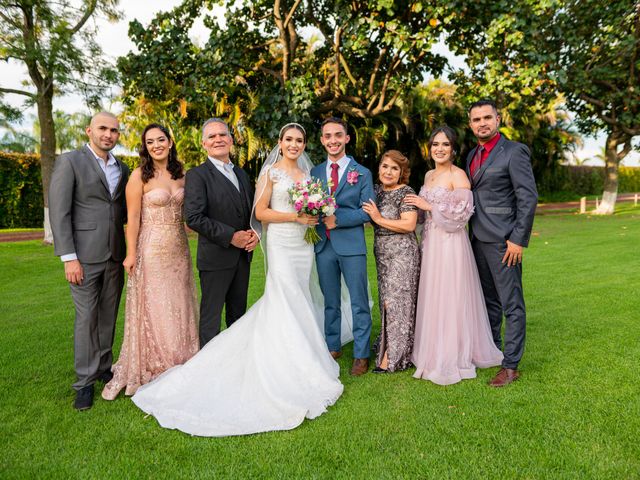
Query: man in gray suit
[87, 210]
[505, 197]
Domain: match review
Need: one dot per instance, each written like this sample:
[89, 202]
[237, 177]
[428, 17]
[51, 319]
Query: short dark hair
[451, 136]
[337, 120]
[482, 103]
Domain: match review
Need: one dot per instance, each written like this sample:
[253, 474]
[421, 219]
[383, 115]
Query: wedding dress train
[271, 369]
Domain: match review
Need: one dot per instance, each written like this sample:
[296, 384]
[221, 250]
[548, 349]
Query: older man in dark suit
[87, 210]
[218, 202]
[505, 197]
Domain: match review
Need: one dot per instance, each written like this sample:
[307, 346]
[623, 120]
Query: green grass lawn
[575, 413]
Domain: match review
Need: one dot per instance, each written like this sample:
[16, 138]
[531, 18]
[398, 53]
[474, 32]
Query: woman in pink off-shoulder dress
[161, 315]
[452, 333]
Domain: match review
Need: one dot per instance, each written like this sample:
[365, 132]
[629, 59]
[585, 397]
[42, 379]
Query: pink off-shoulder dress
[452, 333]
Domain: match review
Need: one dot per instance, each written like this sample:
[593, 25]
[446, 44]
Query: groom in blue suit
[342, 249]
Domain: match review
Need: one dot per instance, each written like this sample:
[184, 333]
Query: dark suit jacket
[85, 218]
[504, 194]
[216, 210]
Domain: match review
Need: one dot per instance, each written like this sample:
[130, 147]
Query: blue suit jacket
[348, 236]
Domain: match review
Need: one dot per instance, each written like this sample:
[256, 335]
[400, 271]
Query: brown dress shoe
[504, 377]
[335, 355]
[360, 366]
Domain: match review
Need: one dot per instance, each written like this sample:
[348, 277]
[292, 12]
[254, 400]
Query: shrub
[583, 180]
[20, 190]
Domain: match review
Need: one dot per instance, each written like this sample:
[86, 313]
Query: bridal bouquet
[310, 197]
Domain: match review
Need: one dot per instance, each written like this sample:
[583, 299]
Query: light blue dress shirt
[226, 168]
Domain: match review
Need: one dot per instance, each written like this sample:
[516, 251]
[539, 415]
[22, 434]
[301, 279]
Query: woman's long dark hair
[174, 166]
[451, 135]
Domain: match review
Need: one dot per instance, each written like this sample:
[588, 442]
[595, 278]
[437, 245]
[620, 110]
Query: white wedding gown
[271, 369]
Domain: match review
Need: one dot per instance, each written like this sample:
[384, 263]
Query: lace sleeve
[454, 211]
[276, 175]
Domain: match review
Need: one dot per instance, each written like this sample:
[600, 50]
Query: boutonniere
[352, 176]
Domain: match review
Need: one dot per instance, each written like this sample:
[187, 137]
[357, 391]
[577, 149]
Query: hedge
[582, 180]
[20, 190]
[21, 185]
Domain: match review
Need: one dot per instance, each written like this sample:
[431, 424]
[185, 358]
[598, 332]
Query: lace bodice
[159, 207]
[281, 202]
[282, 182]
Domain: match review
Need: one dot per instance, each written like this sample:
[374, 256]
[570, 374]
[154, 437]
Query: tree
[587, 50]
[597, 66]
[355, 59]
[14, 140]
[69, 128]
[507, 61]
[56, 43]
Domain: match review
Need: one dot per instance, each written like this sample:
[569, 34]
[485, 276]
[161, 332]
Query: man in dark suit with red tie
[505, 198]
[217, 205]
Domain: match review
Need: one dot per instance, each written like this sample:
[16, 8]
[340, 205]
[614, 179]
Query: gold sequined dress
[161, 315]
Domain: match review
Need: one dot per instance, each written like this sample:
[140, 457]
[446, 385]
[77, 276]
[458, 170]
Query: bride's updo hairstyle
[297, 126]
[174, 166]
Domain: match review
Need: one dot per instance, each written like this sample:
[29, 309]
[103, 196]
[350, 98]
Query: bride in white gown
[272, 368]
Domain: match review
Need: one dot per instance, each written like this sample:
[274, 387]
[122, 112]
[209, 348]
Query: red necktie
[334, 177]
[334, 185]
[476, 162]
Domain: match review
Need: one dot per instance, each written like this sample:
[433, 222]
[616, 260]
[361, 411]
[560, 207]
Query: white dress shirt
[111, 170]
[342, 167]
[226, 168]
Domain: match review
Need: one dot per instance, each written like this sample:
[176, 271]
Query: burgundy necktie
[334, 185]
[476, 162]
[334, 177]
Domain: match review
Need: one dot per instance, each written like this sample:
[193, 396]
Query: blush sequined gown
[160, 328]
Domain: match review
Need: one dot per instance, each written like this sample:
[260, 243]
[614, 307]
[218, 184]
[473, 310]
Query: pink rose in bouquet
[310, 197]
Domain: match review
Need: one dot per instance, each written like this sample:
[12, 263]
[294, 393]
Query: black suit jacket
[216, 210]
[504, 194]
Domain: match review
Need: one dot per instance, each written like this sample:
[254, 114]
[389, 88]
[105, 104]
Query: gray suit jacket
[504, 194]
[84, 217]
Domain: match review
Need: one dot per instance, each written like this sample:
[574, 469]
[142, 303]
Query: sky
[115, 42]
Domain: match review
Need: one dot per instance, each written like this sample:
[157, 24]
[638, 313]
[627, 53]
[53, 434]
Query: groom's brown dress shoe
[335, 355]
[504, 377]
[360, 366]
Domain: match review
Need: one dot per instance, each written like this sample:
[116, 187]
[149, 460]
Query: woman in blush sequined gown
[161, 315]
[272, 369]
[397, 261]
[452, 336]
